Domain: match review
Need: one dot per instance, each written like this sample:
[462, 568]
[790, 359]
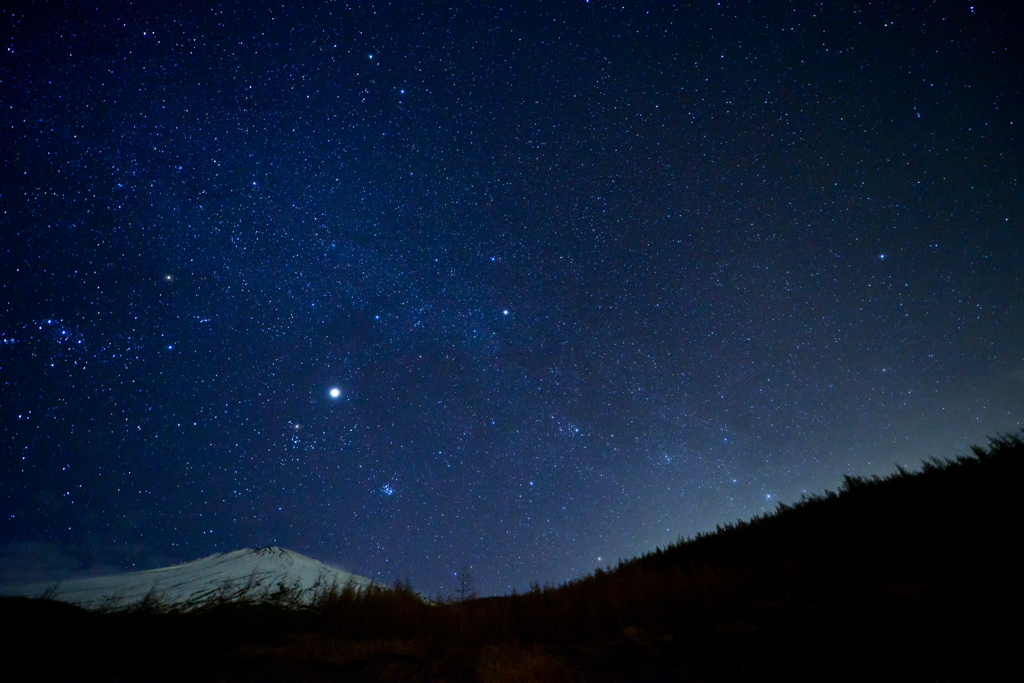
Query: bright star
[335, 392]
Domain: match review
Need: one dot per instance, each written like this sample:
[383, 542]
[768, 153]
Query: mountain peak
[246, 574]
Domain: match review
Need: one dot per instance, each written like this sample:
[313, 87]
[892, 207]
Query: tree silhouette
[466, 590]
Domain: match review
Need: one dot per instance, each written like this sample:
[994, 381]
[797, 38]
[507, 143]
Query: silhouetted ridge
[908, 576]
[951, 519]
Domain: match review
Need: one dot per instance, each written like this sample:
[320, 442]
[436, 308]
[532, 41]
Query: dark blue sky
[587, 277]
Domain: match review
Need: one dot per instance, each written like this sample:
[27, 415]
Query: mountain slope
[258, 573]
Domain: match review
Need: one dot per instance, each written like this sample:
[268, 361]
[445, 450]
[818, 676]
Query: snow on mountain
[241, 574]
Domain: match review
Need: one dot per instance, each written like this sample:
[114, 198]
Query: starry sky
[527, 288]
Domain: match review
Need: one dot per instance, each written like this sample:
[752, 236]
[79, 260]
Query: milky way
[527, 289]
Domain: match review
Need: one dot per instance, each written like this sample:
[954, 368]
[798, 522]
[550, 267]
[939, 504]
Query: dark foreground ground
[908, 578]
[912, 632]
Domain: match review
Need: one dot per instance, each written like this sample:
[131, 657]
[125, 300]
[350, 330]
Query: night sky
[528, 288]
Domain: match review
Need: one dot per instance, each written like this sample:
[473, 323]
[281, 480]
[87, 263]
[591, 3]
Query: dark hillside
[930, 529]
[906, 577]
[912, 570]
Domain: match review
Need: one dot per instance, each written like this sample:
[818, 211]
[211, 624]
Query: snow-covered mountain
[243, 574]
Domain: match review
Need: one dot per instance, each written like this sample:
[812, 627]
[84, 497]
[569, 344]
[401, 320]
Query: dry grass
[513, 663]
[311, 648]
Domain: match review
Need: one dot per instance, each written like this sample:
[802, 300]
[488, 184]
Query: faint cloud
[36, 561]
[23, 562]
